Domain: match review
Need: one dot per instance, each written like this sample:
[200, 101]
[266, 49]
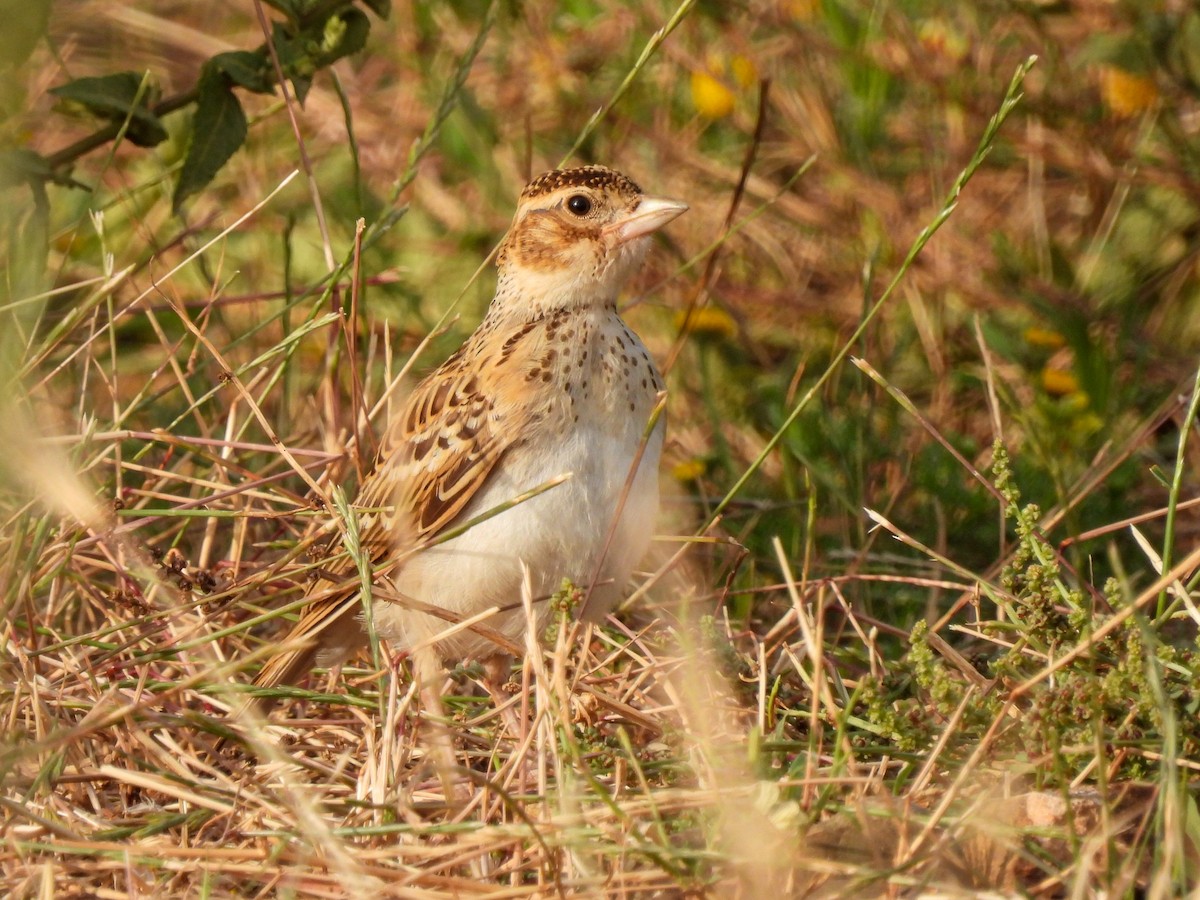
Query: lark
[552, 402]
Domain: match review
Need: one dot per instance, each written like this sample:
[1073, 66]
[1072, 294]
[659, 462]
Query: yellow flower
[707, 321]
[1059, 382]
[1077, 402]
[1126, 94]
[688, 470]
[744, 72]
[712, 98]
[801, 10]
[1043, 337]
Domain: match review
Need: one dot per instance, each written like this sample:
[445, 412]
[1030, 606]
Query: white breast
[561, 533]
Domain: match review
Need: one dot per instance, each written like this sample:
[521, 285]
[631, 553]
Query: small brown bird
[551, 384]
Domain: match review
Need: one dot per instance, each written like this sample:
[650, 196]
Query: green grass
[906, 628]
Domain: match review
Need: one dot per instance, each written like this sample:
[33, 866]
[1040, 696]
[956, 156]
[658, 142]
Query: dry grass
[762, 718]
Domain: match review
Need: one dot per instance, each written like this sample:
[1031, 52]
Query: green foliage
[125, 99]
[313, 37]
[870, 92]
[218, 130]
[1113, 699]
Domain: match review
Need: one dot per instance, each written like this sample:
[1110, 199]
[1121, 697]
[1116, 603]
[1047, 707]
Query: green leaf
[106, 95]
[248, 69]
[294, 59]
[146, 130]
[343, 34]
[300, 86]
[218, 130]
[318, 45]
[118, 98]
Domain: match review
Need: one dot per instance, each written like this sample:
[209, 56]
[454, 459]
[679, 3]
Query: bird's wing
[438, 454]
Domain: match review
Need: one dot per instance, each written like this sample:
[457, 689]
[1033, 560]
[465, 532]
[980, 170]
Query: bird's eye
[579, 204]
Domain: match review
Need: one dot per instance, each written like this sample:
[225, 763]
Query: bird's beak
[651, 214]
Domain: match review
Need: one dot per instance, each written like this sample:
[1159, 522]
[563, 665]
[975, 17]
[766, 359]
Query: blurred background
[1066, 275]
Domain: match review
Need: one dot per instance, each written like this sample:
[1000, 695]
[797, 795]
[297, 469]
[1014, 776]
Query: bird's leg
[497, 670]
[428, 672]
[332, 677]
[497, 680]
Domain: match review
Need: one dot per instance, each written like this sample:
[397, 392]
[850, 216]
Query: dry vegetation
[1002, 698]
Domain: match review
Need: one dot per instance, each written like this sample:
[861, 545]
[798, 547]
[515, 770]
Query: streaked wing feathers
[457, 425]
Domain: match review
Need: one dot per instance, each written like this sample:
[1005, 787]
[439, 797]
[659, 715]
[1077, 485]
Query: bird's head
[577, 236]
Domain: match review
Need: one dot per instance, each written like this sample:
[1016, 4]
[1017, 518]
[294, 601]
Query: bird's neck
[527, 296]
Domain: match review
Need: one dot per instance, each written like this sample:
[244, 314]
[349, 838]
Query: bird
[552, 401]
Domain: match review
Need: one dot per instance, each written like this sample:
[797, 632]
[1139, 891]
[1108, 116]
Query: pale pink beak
[651, 214]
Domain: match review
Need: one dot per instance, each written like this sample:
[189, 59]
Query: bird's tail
[328, 631]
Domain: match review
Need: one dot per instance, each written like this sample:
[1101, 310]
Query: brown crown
[596, 177]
